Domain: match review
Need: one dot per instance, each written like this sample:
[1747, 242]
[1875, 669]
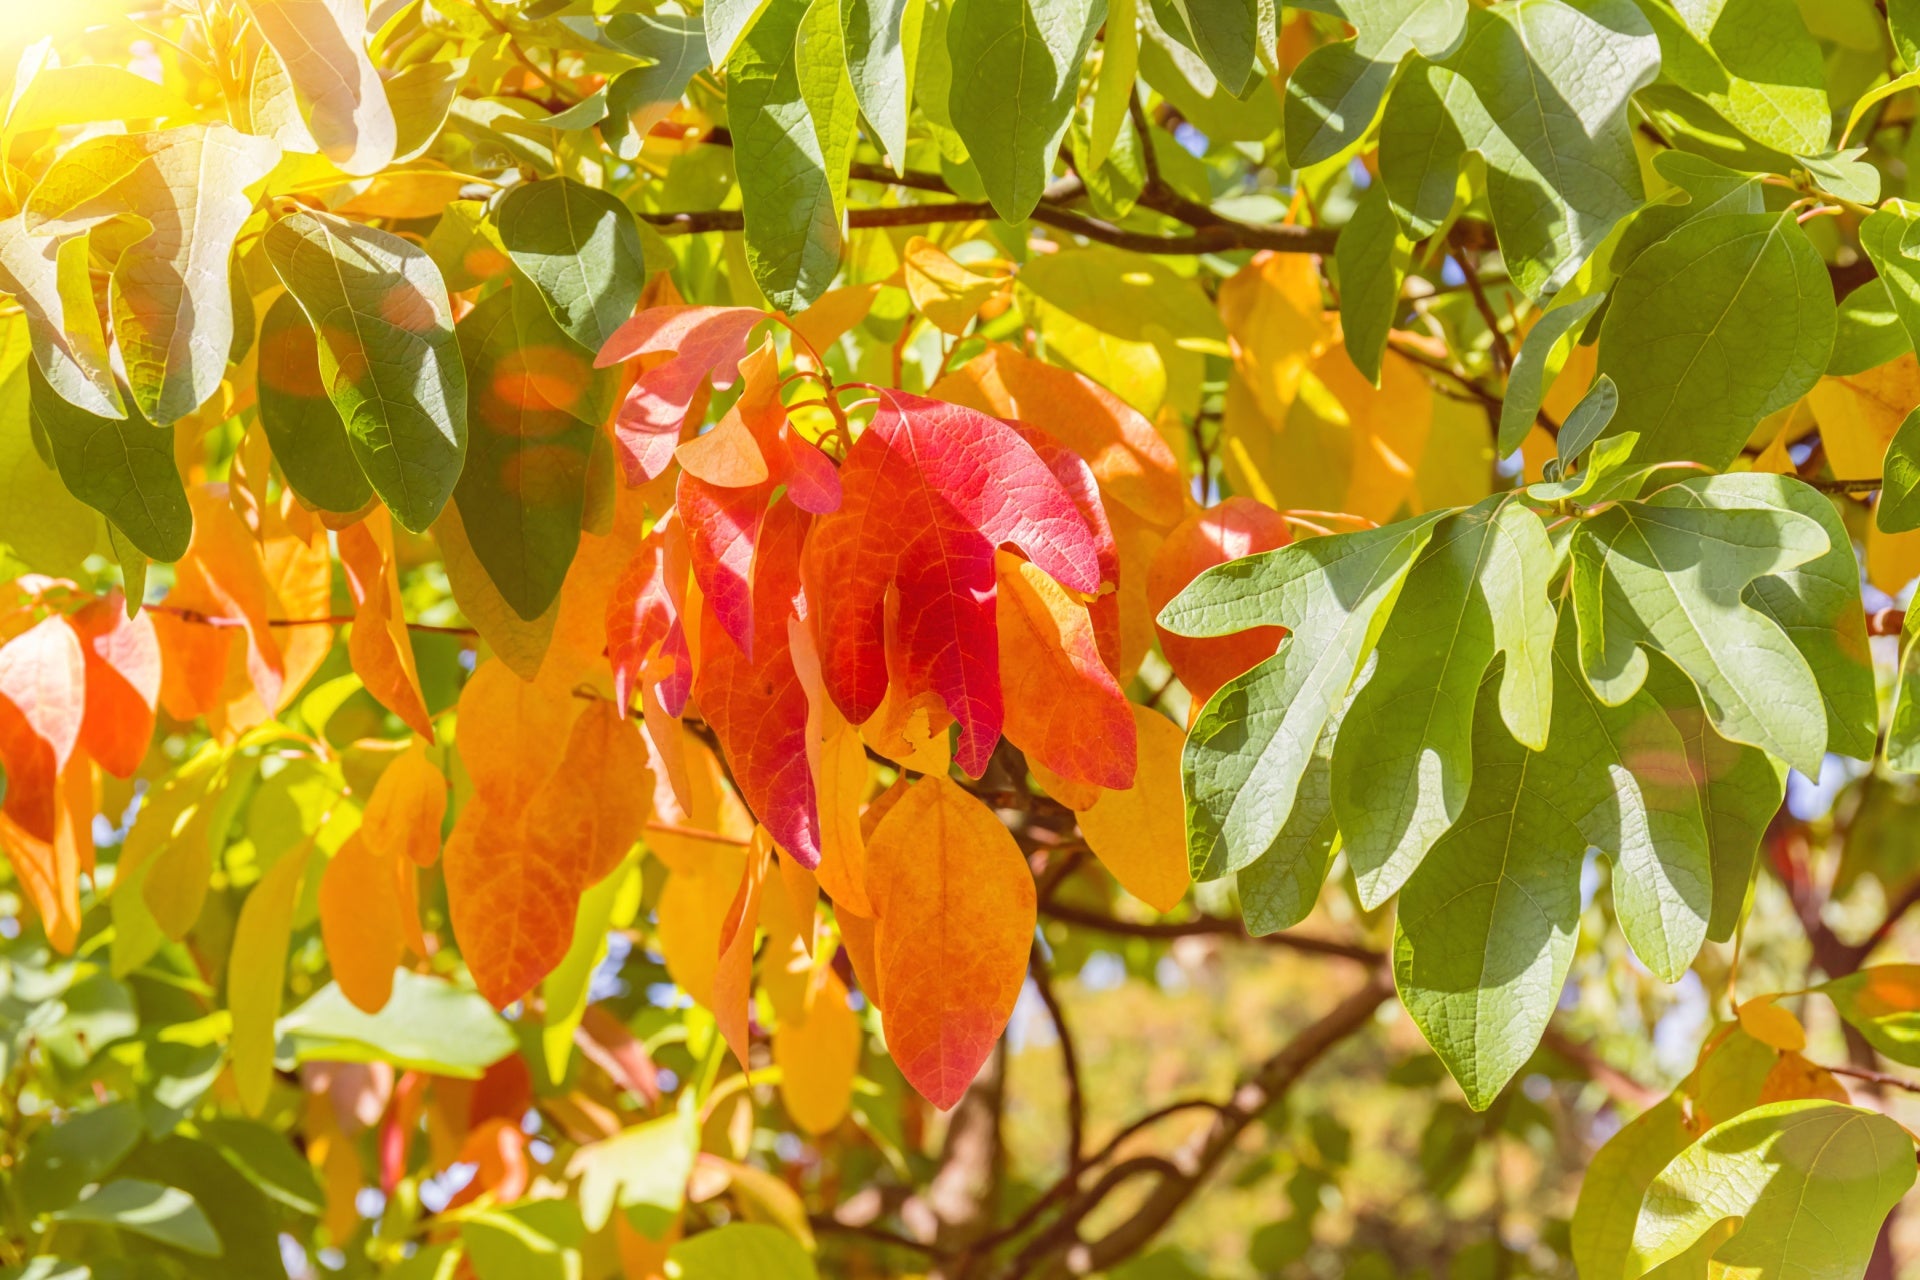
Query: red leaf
[123, 683]
[43, 680]
[1076, 475]
[707, 342]
[758, 709]
[932, 490]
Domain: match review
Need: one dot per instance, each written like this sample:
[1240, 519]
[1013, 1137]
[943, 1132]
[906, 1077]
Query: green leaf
[644, 1168]
[879, 36]
[1806, 1186]
[1903, 19]
[1178, 74]
[641, 97]
[1372, 258]
[1816, 603]
[121, 467]
[820, 54]
[1016, 71]
[1421, 147]
[50, 530]
[1226, 35]
[1588, 419]
[1753, 63]
[1724, 321]
[421, 96]
[49, 279]
[429, 1025]
[786, 192]
[1251, 744]
[1846, 175]
[1335, 92]
[1882, 1003]
[1727, 1081]
[1405, 758]
[1547, 85]
[1899, 508]
[1279, 888]
[64, 1158]
[172, 311]
[166, 1214]
[1670, 575]
[1741, 788]
[740, 1251]
[1114, 88]
[726, 21]
[1486, 927]
[1528, 382]
[538, 1240]
[1870, 332]
[529, 436]
[308, 439]
[268, 1161]
[342, 99]
[387, 353]
[1890, 235]
[581, 248]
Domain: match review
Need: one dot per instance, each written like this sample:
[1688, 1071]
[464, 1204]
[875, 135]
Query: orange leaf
[361, 923]
[407, 808]
[123, 683]
[1064, 708]
[381, 651]
[1235, 528]
[857, 936]
[601, 794]
[957, 911]
[838, 763]
[1134, 464]
[224, 575]
[1793, 1077]
[1139, 833]
[733, 974]
[43, 703]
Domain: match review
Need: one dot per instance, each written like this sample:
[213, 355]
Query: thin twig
[1069, 1059]
[1873, 1077]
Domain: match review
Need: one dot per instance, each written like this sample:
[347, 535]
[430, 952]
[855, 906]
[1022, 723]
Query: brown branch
[827, 1224]
[1059, 1250]
[1620, 1086]
[1205, 926]
[1502, 353]
[1873, 1077]
[1069, 1059]
[338, 620]
[1886, 622]
[1865, 484]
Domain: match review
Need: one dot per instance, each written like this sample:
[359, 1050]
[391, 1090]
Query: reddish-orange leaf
[362, 923]
[857, 936]
[123, 683]
[602, 792]
[957, 911]
[1077, 479]
[1134, 464]
[733, 974]
[643, 620]
[1235, 528]
[193, 662]
[379, 647]
[407, 808]
[931, 489]
[49, 869]
[224, 575]
[43, 703]
[1064, 707]
[706, 342]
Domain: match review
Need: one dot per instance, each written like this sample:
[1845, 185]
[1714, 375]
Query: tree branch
[1205, 926]
[1069, 1059]
[338, 620]
[1059, 1251]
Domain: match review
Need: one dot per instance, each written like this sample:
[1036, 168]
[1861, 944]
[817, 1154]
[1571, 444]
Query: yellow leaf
[1858, 414]
[841, 779]
[1140, 834]
[1893, 559]
[1772, 1025]
[257, 972]
[833, 313]
[692, 911]
[942, 290]
[818, 1056]
[1274, 315]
